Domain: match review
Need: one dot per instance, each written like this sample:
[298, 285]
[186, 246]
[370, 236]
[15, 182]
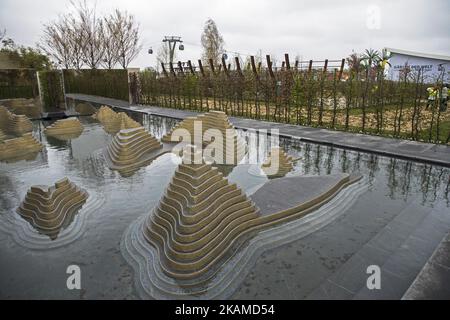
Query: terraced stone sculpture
[198, 220]
[233, 147]
[50, 209]
[130, 149]
[201, 239]
[17, 148]
[114, 122]
[2, 135]
[4, 117]
[14, 124]
[69, 128]
[104, 114]
[28, 107]
[85, 109]
[278, 164]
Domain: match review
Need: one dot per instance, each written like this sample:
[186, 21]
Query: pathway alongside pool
[411, 150]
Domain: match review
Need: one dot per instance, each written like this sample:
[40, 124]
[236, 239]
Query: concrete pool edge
[397, 148]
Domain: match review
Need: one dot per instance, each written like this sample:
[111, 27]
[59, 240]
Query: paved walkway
[432, 282]
[410, 150]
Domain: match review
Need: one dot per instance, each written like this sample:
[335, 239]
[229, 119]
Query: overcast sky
[313, 29]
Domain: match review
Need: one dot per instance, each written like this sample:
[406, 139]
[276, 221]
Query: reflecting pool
[405, 206]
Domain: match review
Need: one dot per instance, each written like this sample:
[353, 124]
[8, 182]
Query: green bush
[105, 83]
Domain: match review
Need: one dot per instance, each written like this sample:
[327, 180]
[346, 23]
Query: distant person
[444, 97]
[432, 94]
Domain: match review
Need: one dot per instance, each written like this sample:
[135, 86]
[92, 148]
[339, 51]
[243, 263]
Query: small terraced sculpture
[28, 107]
[14, 124]
[233, 147]
[85, 109]
[23, 147]
[132, 148]
[198, 220]
[50, 209]
[2, 135]
[114, 122]
[104, 114]
[278, 164]
[65, 129]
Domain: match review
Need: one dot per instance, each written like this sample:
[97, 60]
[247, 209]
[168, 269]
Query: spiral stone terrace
[70, 126]
[197, 221]
[28, 107]
[233, 148]
[85, 109]
[114, 122]
[131, 148]
[19, 147]
[105, 114]
[49, 209]
[202, 220]
[278, 164]
[2, 135]
[14, 124]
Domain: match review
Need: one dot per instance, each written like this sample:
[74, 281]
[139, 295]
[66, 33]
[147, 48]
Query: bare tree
[126, 33]
[56, 43]
[110, 44]
[212, 42]
[80, 38]
[163, 55]
[89, 29]
[75, 40]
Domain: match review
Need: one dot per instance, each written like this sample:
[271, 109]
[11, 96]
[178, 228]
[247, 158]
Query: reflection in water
[117, 201]
[404, 178]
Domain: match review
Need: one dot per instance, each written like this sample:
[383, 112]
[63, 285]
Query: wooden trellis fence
[313, 93]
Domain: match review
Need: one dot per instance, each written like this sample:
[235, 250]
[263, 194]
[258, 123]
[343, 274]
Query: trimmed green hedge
[11, 92]
[51, 89]
[18, 83]
[105, 83]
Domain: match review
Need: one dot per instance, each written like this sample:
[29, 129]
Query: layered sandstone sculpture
[205, 231]
[232, 146]
[197, 221]
[104, 114]
[2, 135]
[20, 147]
[4, 117]
[28, 107]
[114, 122]
[14, 124]
[50, 209]
[65, 128]
[85, 109]
[278, 164]
[132, 148]
[16, 140]
[202, 218]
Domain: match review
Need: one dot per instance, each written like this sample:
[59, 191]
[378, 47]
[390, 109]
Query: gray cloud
[315, 29]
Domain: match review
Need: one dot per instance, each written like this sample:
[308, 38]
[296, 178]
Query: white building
[433, 65]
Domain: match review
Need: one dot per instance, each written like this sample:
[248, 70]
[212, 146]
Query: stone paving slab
[410, 150]
[285, 193]
[432, 281]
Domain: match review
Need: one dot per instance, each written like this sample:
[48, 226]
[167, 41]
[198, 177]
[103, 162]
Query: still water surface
[34, 266]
